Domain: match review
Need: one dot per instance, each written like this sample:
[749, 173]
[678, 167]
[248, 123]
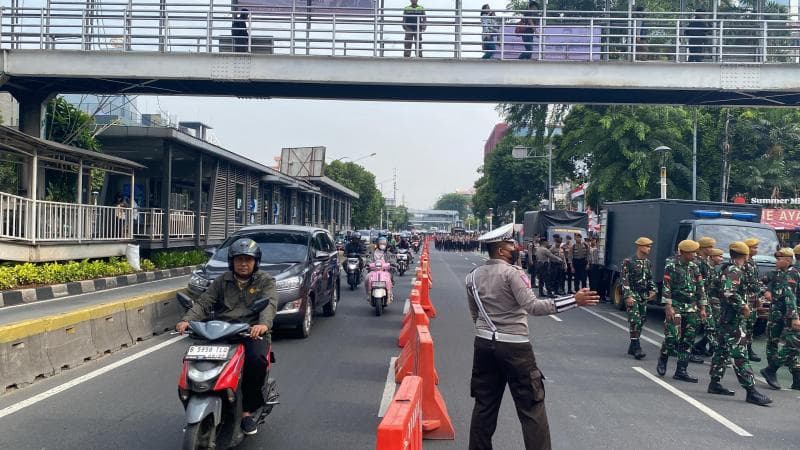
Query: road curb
[38, 348]
[22, 296]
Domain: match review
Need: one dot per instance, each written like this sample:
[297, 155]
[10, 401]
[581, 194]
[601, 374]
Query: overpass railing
[175, 26]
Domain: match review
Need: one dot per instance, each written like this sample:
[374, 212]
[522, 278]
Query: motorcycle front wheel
[202, 435]
[378, 306]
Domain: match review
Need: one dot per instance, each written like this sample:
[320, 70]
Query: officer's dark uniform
[500, 300]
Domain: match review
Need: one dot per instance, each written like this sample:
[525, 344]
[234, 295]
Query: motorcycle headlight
[201, 376]
[352, 266]
[199, 281]
[289, 283]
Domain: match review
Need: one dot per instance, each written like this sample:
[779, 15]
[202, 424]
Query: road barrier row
[39, 348]
[401, 427]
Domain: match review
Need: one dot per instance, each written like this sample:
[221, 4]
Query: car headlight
[291, 307]
[198, 281]
[289, 283]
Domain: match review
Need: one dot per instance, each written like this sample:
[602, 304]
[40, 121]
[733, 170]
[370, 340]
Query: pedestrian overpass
[171, 47]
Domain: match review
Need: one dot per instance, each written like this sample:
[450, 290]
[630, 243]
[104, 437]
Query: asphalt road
[331, 386]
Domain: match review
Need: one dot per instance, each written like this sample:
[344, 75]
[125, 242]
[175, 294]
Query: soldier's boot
[632, 347]
[770, 373]
[751, 355]
[661, 368]
[695, 359]
[796, 379]
[757, 398]
[682, 374]
[637, 350]
[714, 387]
[699, 347]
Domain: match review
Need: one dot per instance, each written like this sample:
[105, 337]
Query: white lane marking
[42, 302]
[703, 408]
[644, 338]
[388, 388]
[84, 378]
[557, 319]
[648, 329]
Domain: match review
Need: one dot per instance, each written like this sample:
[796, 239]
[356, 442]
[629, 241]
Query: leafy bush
[170, 259]
[147, 265]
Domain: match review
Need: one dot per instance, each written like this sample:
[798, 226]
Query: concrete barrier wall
[39, 348]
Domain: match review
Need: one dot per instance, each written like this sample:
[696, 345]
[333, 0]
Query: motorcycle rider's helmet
[355, 236]
[382, 241]
[244, 246]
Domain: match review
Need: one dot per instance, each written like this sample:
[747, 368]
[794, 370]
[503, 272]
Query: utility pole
[394, 184]
[726, 149]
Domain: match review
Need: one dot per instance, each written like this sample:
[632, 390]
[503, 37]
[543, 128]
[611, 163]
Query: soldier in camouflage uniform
[784, 323]
[732, 335]
[713, 292]
[683, 296]
[797, 257]
[637, 289]
[755, 290]
[702, 260]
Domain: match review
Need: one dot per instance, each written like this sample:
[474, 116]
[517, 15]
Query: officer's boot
[770, 373]
[714, 387]
[757, 398]
[682, 374]
[637, 351]
[751, 355]
[632, 347]
[796, 379]
[661, 368]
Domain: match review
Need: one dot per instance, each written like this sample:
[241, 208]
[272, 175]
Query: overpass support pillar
[32, 111]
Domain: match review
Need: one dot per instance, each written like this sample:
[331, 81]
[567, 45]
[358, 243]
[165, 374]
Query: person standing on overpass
[500, 300]
[414, 26]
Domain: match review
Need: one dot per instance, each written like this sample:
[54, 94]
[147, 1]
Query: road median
[38, 348]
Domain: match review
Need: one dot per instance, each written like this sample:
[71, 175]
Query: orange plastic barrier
[415, 316]
[401, 427]
[436, 423]
[408, 361]
[423, 286]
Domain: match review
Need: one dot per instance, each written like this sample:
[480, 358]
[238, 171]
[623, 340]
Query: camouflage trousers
[679, 333]
[750, 323]
[732, 344]
[637, 315]
[708, 326]
[778, 328]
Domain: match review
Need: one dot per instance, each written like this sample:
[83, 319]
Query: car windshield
[276, 246]
[725, 234]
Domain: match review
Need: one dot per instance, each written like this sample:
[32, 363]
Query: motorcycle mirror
[259, 305]
[322, 255]
[184, 300]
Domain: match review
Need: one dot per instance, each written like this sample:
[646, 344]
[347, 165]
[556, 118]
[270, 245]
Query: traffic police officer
[500, 300]
[683, 297]
[638, 288]
[544, 259]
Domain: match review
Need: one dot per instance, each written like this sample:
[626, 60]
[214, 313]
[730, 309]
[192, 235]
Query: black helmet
[244, 246]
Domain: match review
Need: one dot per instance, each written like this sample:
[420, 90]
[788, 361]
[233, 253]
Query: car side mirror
[259, 305]
[322, 255]
[210, 251]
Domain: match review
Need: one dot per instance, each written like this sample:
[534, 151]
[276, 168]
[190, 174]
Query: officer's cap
[797, 249]
[786, 251]
[688, 245]
[716, 252]
[500, 234]
[644, 241]
[706, 242]
[751, 242]
[740, 248]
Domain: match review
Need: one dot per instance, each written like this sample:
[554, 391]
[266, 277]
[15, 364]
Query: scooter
[210, 385]
[353, 270]
[403, 257]
[379, 286]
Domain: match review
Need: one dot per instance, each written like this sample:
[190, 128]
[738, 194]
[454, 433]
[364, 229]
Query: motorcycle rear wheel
[378, 306]
[202, 435]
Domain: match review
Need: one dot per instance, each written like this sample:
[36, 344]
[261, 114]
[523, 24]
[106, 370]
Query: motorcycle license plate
[219, 352]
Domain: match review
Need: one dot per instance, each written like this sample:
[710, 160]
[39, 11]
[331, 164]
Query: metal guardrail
[149, 224]
[173, 26]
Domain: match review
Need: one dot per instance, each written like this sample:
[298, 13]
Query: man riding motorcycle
[230, 297]
[356, 246]
[404, 244]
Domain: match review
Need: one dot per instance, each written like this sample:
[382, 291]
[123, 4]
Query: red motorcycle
[210, 385]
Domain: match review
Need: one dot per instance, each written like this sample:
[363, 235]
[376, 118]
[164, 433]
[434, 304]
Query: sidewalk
[12, 314]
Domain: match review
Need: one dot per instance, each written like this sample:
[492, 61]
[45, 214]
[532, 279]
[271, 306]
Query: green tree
[400, 218]
[367, 209]
[454, 202]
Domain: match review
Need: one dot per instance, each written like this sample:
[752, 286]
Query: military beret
[706, 242]
[797, 249]
[716, 252]
[739, 247]
[643, 241]
[784, 252]
[751, 242]
[688, 245]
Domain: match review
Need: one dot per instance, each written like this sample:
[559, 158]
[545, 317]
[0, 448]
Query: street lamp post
[521, 152]
[514, 211]
[491, 211]
[663, 171]
[357, 159]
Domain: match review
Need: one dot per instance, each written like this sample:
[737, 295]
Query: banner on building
[308, 6]
[781, 219]
[567, 43]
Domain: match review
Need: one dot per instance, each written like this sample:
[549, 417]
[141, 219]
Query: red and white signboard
[781, 219]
